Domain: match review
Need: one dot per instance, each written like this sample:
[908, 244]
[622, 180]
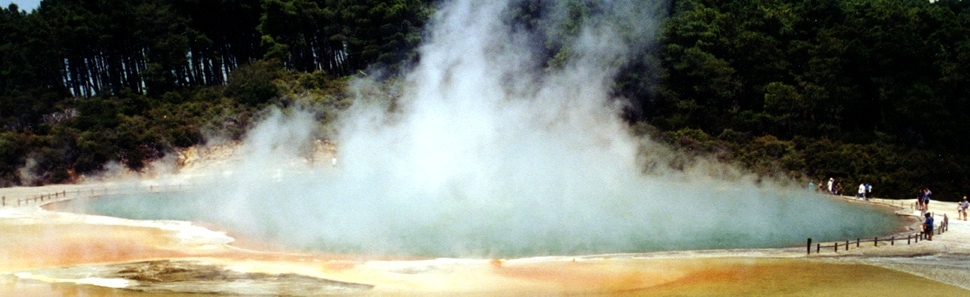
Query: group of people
[831, 187]
[923, 202]
[923, 199]
[923, 205]
[835, 188]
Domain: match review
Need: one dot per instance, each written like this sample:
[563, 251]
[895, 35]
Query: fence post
[809, 246]
[818, 248]
[857, 242]
[847, 245]
[836, 247]
[876, 241]
[892, 240]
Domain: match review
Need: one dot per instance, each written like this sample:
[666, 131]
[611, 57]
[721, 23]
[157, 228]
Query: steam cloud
[488, 153]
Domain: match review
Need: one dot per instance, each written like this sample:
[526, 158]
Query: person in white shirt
[862, 191]
[962, 209]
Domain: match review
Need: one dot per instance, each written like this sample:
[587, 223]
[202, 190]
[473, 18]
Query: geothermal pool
[501, 232]
[484, 150]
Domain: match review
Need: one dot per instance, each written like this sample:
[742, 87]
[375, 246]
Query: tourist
[926, 199]
[928, 226]
[962, 209]
[831, 183]
[920, 197]
[862, 192]
[868, 191]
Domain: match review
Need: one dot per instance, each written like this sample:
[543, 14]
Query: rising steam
[489, 152]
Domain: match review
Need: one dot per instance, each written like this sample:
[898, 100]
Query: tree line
[87, 82]
[861, 90]
[97, 47]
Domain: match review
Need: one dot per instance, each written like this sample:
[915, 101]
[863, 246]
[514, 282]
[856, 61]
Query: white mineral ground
[51, 253]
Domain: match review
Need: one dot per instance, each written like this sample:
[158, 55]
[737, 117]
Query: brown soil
[193, 277]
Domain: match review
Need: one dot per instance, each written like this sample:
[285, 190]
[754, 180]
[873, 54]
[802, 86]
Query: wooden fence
[910, 239]
[88, 192]
[889, 202]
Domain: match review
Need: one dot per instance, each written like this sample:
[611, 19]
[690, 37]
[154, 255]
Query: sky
[27, 5]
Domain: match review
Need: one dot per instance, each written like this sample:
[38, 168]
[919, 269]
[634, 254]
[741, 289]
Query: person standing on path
[862, 191]
[921, 199]
[928, 227]
[962, 209]
[926, 199]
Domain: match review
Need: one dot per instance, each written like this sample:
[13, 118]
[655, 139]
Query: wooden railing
[890, 202]
[891, 240]
[96, 191]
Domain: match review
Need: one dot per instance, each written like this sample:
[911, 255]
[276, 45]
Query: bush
[253, 84]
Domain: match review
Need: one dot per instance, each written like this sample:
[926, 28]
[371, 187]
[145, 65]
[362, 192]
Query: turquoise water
[434, 239]
[181, 206]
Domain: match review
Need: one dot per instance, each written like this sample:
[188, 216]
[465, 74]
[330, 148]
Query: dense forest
[863, 91]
